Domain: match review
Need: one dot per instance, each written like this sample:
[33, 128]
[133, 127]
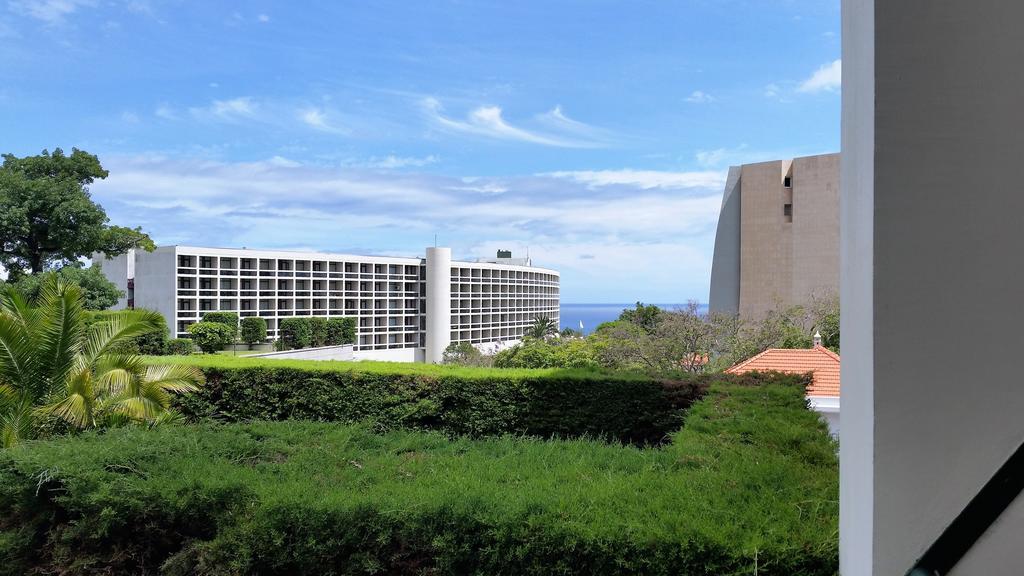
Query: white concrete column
[439, 303]
[932, 281]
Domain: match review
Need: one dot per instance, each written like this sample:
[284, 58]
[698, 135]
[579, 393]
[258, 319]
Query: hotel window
[787, 212]
[787, 182]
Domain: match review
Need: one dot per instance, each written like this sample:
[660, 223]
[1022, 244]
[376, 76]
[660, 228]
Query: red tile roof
[823, 362]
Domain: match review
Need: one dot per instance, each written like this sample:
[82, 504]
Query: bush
[180, 347]
[341, 331]
[463, 354]
[211, 337]
[317, 330]
[477, 402]
[229, 319]
[296, 333]
[151, 343]
[254, 330]
[750, 485]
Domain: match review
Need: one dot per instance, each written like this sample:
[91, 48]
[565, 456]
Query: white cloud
[827, 78]
[699, 97]
[49, 11]
[391, 162]
[232, 110]
[772, 91]
[644, 179]
[166, 112]
[317, 119]
[658, 226]
[263, 18]
[129, 117]
[488, 121]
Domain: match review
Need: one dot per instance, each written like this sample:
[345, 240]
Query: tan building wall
[788, 236]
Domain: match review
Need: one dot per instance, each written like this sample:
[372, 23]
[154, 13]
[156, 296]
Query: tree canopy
[48, 218]
[98, 293]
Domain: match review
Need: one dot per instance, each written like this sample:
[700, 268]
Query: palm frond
[103, 336]
[62, 321]
[175, 378]
[118, 373]
[18, 366]
[16, 424]
[77, 406]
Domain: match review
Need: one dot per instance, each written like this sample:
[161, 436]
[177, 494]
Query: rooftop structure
[822, 363]
[407, 309]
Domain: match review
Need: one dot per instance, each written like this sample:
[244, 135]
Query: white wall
[933, 137]
[343, 352]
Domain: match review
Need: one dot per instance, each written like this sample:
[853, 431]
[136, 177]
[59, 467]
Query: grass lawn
[749, 485]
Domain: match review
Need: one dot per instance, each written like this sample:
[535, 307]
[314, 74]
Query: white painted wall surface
[439, 303]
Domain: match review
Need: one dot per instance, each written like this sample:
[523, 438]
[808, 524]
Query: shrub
[211, 336]
[296, 333]
[317, 330]
[477, 402]
[229, 319]
[463, 354]
[341, 331]
[254, 330]
[180, 347]
[750, 485]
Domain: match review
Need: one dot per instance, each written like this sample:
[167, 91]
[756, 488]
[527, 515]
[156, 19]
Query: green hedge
[749, 486]
[555, 403]
[315, 331]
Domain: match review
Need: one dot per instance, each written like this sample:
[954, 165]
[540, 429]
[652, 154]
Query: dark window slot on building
[787, 211]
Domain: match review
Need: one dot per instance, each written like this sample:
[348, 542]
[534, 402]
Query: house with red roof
[822, 363]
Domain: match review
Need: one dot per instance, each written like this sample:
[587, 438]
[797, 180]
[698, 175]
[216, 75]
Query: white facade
[407, 309]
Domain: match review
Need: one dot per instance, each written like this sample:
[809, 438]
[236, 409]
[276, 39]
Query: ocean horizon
[593, 314]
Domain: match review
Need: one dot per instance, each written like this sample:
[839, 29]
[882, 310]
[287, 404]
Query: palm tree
[542, 328]
[56, 369]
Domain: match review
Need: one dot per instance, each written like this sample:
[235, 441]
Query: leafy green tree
[318, 330]
[542, 327]
[296, 333]
[254, 330]
[645, 316]
[463, 354]
[55, 369]
[48, 218]
[341, 331]
[211, 337]
[570, 333]
[229, 319]
[98, 293]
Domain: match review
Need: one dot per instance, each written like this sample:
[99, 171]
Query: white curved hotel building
[407, 309]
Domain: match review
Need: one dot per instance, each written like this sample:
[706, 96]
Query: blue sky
[597, 134]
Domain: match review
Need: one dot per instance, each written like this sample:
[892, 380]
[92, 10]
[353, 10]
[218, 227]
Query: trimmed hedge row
[555, 403]
[749, 486]
[315, 331]
[552, 404]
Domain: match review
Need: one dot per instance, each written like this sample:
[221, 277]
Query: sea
[593, 315]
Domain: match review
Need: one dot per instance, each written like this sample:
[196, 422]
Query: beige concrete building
[777, 242]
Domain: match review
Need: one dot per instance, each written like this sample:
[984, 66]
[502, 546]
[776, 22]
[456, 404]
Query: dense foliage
[59, 372]
[98, 293]
[564, 403]
[749, 486]
[47, 217]
[212, 337]
[180, 347]
[315, 331]
[229, 319]
[254, 330]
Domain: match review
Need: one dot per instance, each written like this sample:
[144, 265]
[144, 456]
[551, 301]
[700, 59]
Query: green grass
[750, 485]
[373, 367]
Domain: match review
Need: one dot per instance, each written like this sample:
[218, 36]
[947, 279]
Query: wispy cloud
[489, 122]
[392, 162]
[317, 119]
[232, 110]
[644, 179]
[263, 18]
[700, 97]
[48, 11]
[827, 78]
[129, 117]
[617, 217]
